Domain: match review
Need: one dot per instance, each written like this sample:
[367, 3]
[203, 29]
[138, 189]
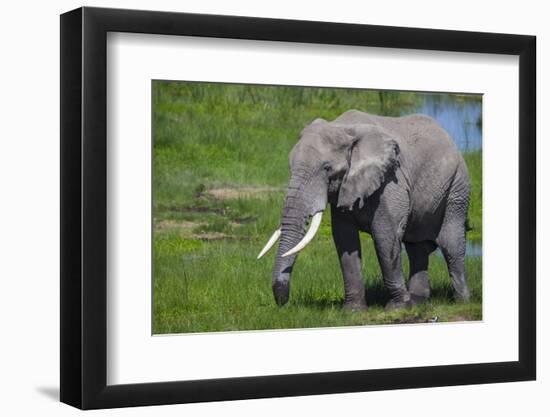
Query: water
[460, 116]
[474, 249]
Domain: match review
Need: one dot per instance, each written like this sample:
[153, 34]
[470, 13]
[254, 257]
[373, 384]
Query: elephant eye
[327, 167]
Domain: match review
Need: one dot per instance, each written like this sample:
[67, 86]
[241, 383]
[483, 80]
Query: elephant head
[336, 163]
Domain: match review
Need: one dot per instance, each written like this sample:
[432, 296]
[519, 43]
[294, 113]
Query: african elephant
[400, 179]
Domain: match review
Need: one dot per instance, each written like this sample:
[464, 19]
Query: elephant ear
[374, 155]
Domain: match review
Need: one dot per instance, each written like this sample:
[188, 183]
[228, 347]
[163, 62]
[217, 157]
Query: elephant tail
[467, 225]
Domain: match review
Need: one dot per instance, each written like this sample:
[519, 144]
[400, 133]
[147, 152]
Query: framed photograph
[258, 208]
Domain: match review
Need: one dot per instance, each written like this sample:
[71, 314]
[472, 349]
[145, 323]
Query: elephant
[400, 179]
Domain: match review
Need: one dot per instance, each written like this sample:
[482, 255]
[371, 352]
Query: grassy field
[220, 168]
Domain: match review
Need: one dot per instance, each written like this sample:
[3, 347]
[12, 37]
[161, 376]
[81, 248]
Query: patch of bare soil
[227, 193]
[199, 209]
[185, 229]
[212, 236]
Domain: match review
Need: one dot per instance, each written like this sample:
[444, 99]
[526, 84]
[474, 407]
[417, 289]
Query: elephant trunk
[292, 231]
[304, 199]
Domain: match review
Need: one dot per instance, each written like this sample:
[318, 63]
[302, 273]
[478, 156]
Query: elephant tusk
[314, 226]
[270, 243]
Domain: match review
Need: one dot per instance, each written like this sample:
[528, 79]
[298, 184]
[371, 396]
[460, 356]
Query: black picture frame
[84, 207]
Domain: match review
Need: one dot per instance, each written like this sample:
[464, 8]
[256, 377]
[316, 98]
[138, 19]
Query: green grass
[206, 276]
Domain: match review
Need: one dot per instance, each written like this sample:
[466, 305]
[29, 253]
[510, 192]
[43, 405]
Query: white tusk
[270, 243]
[313, 227]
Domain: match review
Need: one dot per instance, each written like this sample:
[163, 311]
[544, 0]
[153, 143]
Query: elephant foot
[460, 287]
[419, 299]
[397, 303]
[462, 296]
[355, 306]
[419, 288]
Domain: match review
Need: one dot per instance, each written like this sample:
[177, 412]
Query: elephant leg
[419, 285]
[348, 246]
[388, 250]
[452, 242]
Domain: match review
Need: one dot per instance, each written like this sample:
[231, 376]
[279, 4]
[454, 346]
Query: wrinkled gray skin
[400, 179]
